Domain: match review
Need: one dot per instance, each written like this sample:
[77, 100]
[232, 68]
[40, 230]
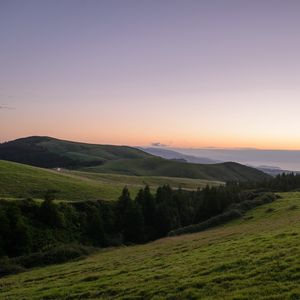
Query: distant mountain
[274, 171]
[175, 155]
[52, 153]
[170, 154]
[284, 159]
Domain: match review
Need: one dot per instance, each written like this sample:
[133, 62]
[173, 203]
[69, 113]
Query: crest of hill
[49, 152]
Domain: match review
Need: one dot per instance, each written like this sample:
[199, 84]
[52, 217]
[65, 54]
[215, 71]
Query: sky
[186, 74]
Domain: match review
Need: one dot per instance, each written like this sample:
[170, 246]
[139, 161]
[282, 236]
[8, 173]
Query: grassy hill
[19, 180]
[49, 152]
[155, 166]
[256, 257]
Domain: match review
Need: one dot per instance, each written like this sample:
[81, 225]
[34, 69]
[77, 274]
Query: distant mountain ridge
[171, 154]
[176, 155]
[49, 152]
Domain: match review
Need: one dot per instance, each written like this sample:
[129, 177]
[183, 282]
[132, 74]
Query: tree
[134, 224]
[147, 203]
[50, 214]
[123, 204]
[95, 228]
[19, 238]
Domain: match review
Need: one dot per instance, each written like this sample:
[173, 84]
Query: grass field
[156, 166]
[256, 257]
[19, 181]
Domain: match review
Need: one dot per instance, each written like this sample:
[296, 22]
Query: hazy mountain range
[270, 161]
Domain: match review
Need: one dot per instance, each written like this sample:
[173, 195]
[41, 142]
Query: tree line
[28, 226]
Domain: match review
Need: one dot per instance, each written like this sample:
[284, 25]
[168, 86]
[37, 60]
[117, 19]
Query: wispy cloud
[6, 107]
[158, 144]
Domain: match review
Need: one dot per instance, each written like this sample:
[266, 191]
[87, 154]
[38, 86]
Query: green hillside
[18, 181]
[155, 166]
[256, 257]
[51, 153]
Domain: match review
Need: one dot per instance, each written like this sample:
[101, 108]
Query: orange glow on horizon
[227, 142]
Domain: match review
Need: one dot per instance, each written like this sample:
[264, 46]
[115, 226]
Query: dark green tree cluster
[281, 183]
[28, 226]
[149, 216]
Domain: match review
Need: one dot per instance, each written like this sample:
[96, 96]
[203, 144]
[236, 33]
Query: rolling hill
[21, 181]
[156, 166]
[254, 257]
[52, 153]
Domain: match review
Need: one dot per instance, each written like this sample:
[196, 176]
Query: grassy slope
[139, 181]
[156, 166]
[17, 181]
[51, 153]
[89, 152]
[257, 257]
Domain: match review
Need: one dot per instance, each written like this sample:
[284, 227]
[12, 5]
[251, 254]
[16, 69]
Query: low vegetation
[28, 226]
[22, 181]
[234, 211]
[230, 262]
[254, 257]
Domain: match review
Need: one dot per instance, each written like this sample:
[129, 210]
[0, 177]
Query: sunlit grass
[256, 257]
[19, 181]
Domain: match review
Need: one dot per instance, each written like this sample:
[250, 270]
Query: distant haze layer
[284, 159]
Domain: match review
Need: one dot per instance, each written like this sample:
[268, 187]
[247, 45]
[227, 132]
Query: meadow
[21, 181]
[254, 257]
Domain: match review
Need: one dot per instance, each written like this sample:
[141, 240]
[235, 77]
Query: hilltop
[48, 152]
[53, 153]
[254, 257]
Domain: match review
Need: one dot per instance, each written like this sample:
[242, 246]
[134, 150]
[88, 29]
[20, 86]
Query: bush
[214, 221]
[7, 267]
[233, 212]
[56, 255]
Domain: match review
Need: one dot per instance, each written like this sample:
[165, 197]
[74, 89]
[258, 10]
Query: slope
[19, 181]
[256, 257]
[156, 166]
[49, 152]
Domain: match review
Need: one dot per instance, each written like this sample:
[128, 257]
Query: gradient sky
[182, 73]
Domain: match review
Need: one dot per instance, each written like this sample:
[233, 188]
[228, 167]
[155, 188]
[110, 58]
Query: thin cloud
[158, 144]
[6, 107]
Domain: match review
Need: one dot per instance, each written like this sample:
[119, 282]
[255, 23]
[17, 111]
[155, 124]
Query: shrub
[214, 221]
[233, 212]
[56, 255]
[7, 267]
